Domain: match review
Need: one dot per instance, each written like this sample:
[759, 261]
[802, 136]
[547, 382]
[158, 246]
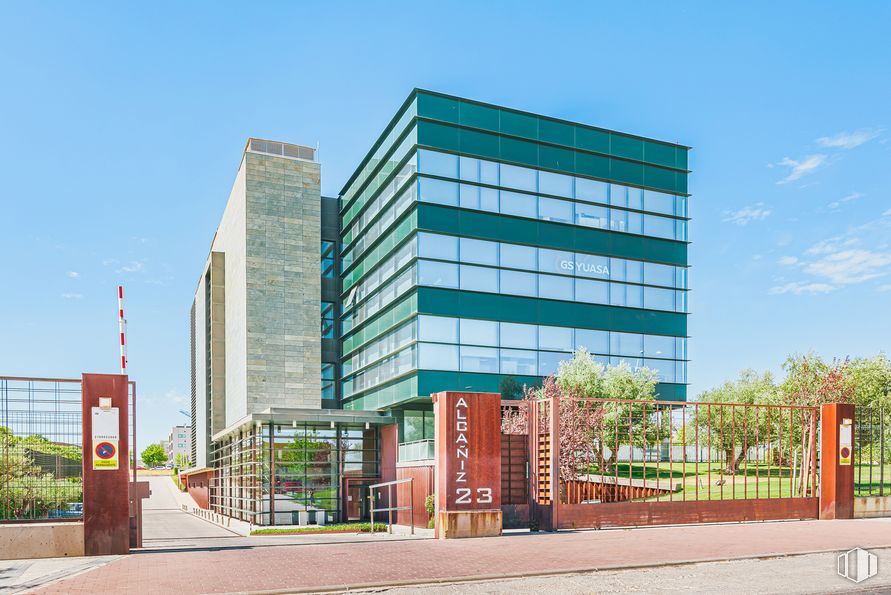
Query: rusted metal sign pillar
[836, 457]
[468, 464]
[106, 455]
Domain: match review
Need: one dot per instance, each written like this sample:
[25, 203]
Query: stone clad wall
[283, 227]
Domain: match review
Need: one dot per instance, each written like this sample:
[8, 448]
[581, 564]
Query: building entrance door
[355, 494]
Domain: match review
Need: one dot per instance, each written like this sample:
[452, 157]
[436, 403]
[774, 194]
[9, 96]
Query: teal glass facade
[481, 245]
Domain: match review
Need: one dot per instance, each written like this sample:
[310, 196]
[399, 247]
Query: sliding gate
[615, 463]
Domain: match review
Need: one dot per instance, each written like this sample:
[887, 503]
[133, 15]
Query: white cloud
[134, 266]
[73, 274]
[746, 215]
[176, 396]
[805, 166]
[887, 213]
[848, 140]
[787, 260]
[831, 245]
[852, 196]
[799, 288]
[849, 267]
[885, 287]
[72, 296]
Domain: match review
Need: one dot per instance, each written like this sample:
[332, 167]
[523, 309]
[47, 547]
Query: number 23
[484, 496]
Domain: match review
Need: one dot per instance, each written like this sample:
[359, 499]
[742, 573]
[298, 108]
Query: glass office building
[482, 245]
[474, 248]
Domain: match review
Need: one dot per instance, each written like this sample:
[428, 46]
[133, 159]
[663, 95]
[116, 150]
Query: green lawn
[707, 481]
[700, 480]
[335, 528]
[864, 485]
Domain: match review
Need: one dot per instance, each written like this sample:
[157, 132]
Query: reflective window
[329, 261]
[438, 329]
[327, 314]
[591, 190]
[469, 169]
[520, 205]
[438, 246]
[555, 261]
[479, 251]
[593, 341]
[437, 274]
[549, 362]
[517, 283]
[479, 359]
[519, 335]
[479, 332]
[659, 346]
[551, 209]
[479, 279]
[518, 257]
[521, 178]
[557, 184]
[514, 361]
[439, 164]
[439, 191]
[555, 288]
[591, 216]
[437, 357]
[556, 338]
[591, 292]
[658, 202]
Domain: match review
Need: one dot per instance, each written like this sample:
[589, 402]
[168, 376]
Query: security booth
[296, 466]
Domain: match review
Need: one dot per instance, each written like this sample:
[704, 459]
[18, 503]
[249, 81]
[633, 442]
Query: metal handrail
[411, 502]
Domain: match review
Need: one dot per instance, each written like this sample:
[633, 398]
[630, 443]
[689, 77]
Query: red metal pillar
[106, 455]
[554, 404]
[468, 464]
[836, 461]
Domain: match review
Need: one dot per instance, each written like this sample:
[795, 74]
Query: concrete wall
[41, 540]
[871, 507]
[199, 423]
[283, 282]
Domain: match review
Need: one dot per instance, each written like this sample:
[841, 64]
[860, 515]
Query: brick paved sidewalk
[339, 565]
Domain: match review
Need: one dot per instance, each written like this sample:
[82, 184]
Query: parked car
[72, 511]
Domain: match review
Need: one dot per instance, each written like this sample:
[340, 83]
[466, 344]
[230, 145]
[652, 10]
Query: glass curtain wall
[275, 472]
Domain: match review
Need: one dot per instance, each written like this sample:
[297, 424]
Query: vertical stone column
[106, 455]
[468, 464]
[836, 461]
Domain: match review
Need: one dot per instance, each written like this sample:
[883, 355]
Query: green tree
[154, 455]
[734, 430]
[623, 417]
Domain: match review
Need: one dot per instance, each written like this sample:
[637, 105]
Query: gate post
[468, 464]
[554, 429]
[106, 460]
[836, 461]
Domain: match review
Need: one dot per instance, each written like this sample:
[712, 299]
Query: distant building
[178, 443]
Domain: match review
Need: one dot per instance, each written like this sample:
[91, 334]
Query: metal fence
[872, 452]
[41, 452]
[614, 450]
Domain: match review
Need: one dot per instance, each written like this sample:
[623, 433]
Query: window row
[507, 282]
[380, 177]
[493, 360]
[549, 209]
[490, 333]
[363, 225]
[329, 259]
[480, 171]
[521, 362]
[375, 159]
[545, 260]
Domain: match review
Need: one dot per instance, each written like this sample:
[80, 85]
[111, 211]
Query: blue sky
[122, 128]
